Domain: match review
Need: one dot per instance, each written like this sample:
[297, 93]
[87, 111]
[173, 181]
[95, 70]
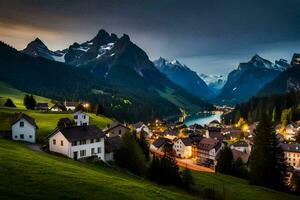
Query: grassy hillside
[228, 187]
[7, 91]
[25, 174]
[46, 121]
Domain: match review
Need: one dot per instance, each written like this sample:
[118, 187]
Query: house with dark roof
[70, 105]
[242, 146]
[208, 151]
[112, 146]
[292, 154]
[159, 144]
[214, 133]
[41, 106]
[78, 142]
[140, 127]
[23, 127]
[183, 147]
[115, 128]
[58, 107]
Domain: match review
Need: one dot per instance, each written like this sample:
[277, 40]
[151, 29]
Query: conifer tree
[225, 162]
[267, 164]
[9, 103]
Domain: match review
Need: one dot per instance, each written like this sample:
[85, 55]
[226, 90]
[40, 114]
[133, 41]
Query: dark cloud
[210, 36]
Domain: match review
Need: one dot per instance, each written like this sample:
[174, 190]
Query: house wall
[293, 159]
[82, 118]
[70, 108]
[182, 150]
[119, 130]
[88, 149]
[28, 131]
[58, 148]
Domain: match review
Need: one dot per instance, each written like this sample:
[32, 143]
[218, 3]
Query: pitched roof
[58, 105]
[208, 144]
[290, 147]
[186, 141]
[112, 144]
[240, 143]
[214, 122]
[138, 125]
[70, 103]
[159, 142]
[18, 116]
[76, 133]
[113, 125]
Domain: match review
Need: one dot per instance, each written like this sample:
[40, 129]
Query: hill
[25, 174]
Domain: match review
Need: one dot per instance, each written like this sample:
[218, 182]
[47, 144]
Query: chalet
[244, 156]
[41, 106]
[208, 151]
[141, 127]
[115, 129]
[70, 105]
[158, 145]
[112, 146]
[291, 130]
[171, 134]
[242, 146]
[292, 154]
[214, 133]
[78, 142]
[58, 107]
[183, 147]
[231, 133]
[23, 127]
[81, 118]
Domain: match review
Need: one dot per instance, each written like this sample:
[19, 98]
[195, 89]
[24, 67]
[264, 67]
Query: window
[30, 136]
[98, 140]
[83, 116]
[16, 136]
[74, 143]
[61, 143]
[93, 151]
[120, 132]
[92, 140]
[82, 142]
[75, 116]
[84, 124]
[99, 149]
[22, 136]
[82, 153]
[21, 124]
[54, 142]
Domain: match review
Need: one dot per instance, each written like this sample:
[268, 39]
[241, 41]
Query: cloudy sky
[209, 36]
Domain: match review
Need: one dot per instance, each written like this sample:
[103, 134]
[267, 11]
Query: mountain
[124, 66]
[249, 78]
[214, 82]
[37, 48]
[287, 81]
[183, 76]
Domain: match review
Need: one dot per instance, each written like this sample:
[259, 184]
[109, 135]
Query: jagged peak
[176, 62]
[125, 37]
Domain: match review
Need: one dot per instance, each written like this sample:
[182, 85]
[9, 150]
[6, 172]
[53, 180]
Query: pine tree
[99, 109]
[187, 179]
[9, 103]
[267, 164]
[225, 162]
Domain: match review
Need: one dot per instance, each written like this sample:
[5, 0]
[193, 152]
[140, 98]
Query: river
[202, 118]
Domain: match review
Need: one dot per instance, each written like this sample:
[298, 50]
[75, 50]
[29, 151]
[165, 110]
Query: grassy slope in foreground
[46, 121]
[17, 96]
[25, 174]
[229, 187]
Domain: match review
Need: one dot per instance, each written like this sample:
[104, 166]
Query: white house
[81, 118]
[291, 130]
[115, 128]
[292, 154]
[140, 126]
[183, 147]
[242, 146]
[78, 142]
[208, 151]
[70, 106]
[23, 127]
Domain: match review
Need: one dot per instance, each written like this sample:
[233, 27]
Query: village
[195, 147]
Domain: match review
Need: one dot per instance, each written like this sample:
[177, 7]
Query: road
[186, 163]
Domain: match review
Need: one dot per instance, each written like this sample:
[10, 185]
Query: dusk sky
[209, 36]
